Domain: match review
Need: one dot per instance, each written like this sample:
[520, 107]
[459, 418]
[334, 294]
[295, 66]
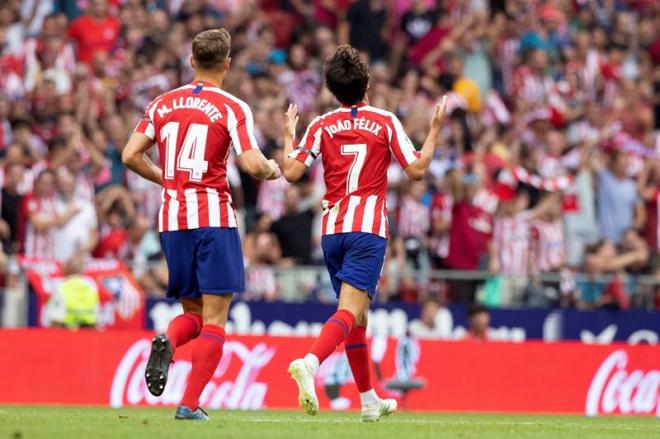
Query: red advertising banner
[121, 299]
[106, 368]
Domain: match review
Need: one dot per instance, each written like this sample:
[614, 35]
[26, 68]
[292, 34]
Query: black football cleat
[155, 374]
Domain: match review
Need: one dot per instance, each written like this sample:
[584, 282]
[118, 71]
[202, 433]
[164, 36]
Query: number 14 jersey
[195, 127]
[356, 145]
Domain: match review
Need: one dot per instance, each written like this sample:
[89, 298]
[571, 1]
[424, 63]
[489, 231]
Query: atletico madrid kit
[195, 128]
[356, 145]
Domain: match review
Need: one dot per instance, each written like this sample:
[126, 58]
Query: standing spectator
[94, 32]
[365, 28]
[441, 208]
[414, 225]
[11, 207]
[649, 189]
[79, 235]
[42, 217]
[548, 239]
[471, 229]
[272, 193]
[619, 205]
[579, 213]
[294, 229]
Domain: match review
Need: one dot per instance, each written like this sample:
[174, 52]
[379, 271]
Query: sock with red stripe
[207, 351]
[358, 358]
[183, 328]
[334, 331]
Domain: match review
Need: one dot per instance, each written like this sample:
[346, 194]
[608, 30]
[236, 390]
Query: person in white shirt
[435, 322]
[80, 233]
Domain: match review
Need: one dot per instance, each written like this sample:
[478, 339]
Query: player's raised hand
[439, 113]
[276, 172]
[291, 120]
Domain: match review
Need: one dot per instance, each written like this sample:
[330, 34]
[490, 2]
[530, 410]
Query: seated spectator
[435, 322]
[478, 323]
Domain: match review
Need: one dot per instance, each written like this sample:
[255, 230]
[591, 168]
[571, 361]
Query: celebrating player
[356, 143]
[194, 127]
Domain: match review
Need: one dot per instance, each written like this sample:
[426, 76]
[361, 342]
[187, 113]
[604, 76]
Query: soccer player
[194, 127]
[356, 143]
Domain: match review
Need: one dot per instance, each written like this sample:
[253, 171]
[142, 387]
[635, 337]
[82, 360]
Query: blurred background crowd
[544, 190]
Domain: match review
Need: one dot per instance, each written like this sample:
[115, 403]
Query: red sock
[183, 328]
[357, 352]
[207, 351]
[335, 330]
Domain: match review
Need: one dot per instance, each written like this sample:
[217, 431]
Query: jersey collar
[359, 104]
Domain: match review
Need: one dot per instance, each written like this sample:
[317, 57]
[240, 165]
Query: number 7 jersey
[356, 145]
[195, 127]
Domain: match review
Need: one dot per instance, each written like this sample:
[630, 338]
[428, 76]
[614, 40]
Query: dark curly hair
[347, 75]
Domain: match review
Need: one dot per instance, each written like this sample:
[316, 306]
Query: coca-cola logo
[241, 391]
[614, 388]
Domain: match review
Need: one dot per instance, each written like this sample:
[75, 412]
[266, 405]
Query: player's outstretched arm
[293, 169]
[417, 169]
[135, 158]
[254, 163]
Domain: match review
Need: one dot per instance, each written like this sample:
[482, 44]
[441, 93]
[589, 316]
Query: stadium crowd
[548, 162]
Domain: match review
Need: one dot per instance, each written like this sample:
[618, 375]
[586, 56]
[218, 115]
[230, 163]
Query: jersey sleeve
[146, 124]
[310, 145]
[400, 144]
[240, 125]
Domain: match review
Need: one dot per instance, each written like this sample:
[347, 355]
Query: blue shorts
[355, 258]
[203, 261]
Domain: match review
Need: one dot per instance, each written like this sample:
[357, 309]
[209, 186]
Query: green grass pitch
[97, 423]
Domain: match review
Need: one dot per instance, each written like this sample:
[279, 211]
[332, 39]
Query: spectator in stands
[11, 207]
[74, 302]
[619, 205]
[291, 226]
[414, 225]
[570, 79]
[478, 323]
[365, 29]
[471, 228]
[79, 235]
[95, 32]
[435, 322]
[42, 217]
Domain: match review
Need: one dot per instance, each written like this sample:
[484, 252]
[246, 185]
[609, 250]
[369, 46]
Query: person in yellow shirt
[75, 302]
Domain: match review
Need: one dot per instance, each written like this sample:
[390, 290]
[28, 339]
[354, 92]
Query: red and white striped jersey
[39, 244]
[441, 210]
[511, 242]
[414, 218]
[356, 145]
[194, 126]
[548, 239]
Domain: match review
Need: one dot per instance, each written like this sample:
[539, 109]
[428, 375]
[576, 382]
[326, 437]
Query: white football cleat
[303, 375]
[383, 407]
